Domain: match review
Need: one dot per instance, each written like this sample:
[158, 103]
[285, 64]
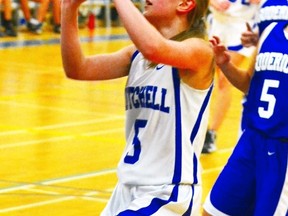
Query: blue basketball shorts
[254, 180]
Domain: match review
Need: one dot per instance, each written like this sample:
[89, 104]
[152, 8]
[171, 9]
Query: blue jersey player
[255, 178]
[269, 11]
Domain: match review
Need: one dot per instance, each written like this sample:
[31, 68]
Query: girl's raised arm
[76, 65]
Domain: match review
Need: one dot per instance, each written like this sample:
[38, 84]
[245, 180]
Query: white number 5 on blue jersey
[266, 97]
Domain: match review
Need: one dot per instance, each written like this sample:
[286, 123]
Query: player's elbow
[76, 70]
[73, 73]
[152, 52]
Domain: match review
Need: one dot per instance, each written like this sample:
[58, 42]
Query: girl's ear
[185, 6]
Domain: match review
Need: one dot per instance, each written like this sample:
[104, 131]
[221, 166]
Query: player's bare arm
[239, 78]
[76, 65]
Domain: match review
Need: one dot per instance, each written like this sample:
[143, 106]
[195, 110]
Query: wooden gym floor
[60, 140]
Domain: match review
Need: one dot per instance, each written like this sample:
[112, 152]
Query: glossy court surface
[61, 140]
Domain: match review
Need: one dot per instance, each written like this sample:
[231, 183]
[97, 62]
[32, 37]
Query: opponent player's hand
[220, 5]
[221, 53]
[249, 38]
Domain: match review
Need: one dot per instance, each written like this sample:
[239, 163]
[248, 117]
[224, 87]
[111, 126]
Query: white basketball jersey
[166, 122]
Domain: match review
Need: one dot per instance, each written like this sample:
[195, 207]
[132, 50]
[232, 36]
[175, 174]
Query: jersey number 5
[269, 98]
[132, 159]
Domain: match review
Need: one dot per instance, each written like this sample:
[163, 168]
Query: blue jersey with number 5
[267, 102]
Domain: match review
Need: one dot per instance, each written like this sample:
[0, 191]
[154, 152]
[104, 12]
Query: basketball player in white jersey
[169, 71]
[227, 21]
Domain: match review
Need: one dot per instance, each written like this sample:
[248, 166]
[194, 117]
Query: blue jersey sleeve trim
[134, 55]
[178, 129]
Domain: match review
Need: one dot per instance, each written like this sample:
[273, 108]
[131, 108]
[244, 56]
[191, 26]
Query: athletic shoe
[9, 31]
[57, 29]
[37, 29]
[210, 142]
[32, 24]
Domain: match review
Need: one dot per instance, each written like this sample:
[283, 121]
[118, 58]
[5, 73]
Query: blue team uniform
[255, 179]
[267, 98]
[270, 11]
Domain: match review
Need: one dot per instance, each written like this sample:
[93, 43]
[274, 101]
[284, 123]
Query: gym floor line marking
[57, 181]
[57, 126]
[56, 41]
[78, 177]
[60, 138]
[67, 198]
[37, 204]
[50, 108]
